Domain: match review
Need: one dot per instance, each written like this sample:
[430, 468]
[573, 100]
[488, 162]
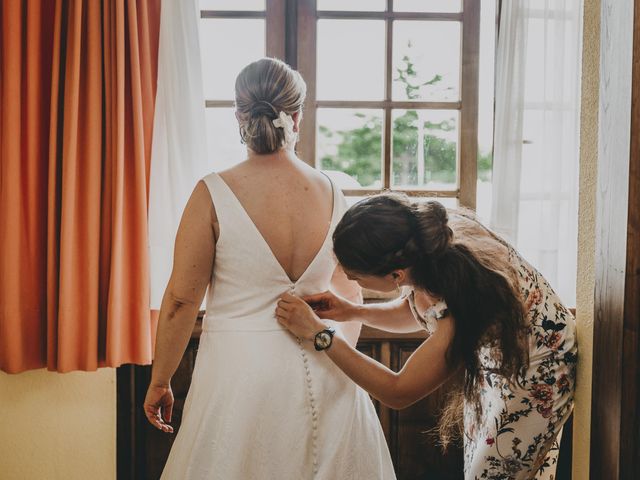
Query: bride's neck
[281, 156]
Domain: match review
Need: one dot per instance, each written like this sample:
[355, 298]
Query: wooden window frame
[275, 15]
[469, 18]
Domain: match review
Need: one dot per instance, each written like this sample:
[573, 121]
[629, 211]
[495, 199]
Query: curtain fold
[179, 149]
[78, 90]
[536, 144]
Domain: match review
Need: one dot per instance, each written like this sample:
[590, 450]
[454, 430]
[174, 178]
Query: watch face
[324, 340]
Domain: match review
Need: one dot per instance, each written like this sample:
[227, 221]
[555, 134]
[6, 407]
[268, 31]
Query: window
[232, 34]
[392, 97]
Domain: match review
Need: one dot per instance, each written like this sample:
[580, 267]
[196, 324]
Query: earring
[398, 291]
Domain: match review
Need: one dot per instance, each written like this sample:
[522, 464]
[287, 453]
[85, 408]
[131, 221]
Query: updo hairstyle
[265, 88]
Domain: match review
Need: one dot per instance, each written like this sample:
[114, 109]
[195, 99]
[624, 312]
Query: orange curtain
[77, 91]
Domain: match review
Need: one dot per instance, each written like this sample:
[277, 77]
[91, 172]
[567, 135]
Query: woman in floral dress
[487, 311]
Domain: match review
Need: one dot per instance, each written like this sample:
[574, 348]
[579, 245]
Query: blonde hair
[265, 88]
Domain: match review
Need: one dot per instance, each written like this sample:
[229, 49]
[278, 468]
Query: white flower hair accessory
[286, 122]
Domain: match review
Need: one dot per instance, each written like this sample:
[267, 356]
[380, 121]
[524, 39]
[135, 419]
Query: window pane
[353, 5]
[350, 141]
[426, 61]
[350, 60]
[223, 138]
[425, 150]
[427, 5]
[231, 4]
[226, 46]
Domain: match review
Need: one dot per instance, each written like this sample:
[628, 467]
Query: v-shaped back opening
[263, 240]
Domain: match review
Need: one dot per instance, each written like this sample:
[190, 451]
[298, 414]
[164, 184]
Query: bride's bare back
[289, 202]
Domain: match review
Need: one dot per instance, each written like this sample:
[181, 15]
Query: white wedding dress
[261, 405]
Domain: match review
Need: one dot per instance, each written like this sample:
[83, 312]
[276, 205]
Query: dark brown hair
[387, 232]
[265, 88]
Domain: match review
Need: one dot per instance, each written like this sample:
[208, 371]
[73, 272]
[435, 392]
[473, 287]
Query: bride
[260, 406]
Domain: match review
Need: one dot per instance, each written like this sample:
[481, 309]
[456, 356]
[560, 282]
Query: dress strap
[225, 203]
[337, 206]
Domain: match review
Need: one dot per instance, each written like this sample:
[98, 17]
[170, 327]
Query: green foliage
[358, 151]
[485, 166]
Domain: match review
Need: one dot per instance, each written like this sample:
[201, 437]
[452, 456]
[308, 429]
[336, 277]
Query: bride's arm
[193, 259]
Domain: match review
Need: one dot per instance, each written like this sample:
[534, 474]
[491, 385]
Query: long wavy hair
[458, 262]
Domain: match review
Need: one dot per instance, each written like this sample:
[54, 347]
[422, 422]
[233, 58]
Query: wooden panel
[565, 456]
[158, 444]
[291, 33]
[630, 416]
[219, 103]
[405, 105]
[469, 97]
[232, 14]
[387, 151]
[369, 334]
[389, 15]
[371, 349]
[384, 411]
[130, 464]
[275, 29]
[609, 408]
[306, 50]
[142, 449]
[414, 443]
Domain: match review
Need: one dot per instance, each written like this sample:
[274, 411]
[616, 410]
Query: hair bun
[265, 88]
[433, 231]
[263, 108]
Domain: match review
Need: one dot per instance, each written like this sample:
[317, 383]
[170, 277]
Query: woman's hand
[158, 405]
[295, 315]
[329, 305]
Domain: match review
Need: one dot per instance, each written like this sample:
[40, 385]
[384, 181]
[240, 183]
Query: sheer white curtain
[536, 144]
[179, 157]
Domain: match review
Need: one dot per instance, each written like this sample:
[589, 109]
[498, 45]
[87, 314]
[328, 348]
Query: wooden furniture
[410, 433]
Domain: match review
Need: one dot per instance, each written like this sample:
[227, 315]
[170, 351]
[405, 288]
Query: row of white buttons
[314, 409]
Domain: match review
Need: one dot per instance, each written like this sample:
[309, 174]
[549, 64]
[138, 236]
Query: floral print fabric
[516, 435]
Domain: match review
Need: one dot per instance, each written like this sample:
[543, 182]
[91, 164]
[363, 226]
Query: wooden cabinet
[410, 433]
[142, 450]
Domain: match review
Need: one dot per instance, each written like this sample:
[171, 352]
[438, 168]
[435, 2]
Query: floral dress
[518, 432]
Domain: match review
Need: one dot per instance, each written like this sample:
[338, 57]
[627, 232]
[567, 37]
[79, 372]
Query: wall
[58, 426]
[586, 235]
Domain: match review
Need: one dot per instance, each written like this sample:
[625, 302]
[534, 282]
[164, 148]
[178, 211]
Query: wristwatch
[323, 338]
